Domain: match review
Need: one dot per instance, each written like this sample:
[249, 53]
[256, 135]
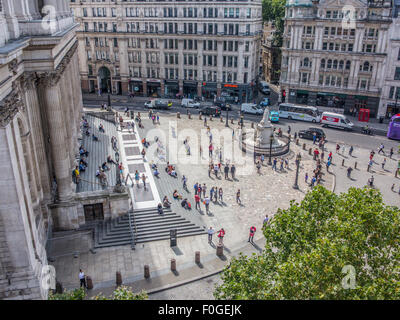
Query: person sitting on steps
[166, 202]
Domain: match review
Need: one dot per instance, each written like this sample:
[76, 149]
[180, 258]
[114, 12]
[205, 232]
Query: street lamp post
[298, 158]
[271, 139]
[227, 115]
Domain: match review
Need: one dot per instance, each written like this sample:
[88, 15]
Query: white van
[336, 120]
[190, 103]
[264, 87]
[251, 108]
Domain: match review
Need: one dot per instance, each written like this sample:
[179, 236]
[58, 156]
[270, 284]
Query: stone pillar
[57, 132]
[162, 83]
[145, 88]
[199, 89]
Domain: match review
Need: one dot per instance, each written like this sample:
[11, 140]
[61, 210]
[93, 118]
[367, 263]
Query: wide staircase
[147, 225]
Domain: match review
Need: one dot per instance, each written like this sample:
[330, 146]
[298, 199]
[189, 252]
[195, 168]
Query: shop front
[171, 89]
[392, 109]
[302, 97]
[154, 88]
[190, 89]
[209, 90]
[331, 100]
[231, 93]
[136, 87]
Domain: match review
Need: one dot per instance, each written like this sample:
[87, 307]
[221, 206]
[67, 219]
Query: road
[357, 139]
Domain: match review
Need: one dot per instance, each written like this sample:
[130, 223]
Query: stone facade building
[390, 98]
[334, 53]
[165, 48]
[40, 110]
[271, 55]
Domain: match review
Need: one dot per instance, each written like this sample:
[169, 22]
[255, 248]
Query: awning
[361, 97]
[302, 91]
[329, 94]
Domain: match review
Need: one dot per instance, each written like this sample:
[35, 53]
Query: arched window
[323, 64]
[329, 64]
[341, 63]
[334, 64]
[365, 66]
[348, 63]
[306, 62]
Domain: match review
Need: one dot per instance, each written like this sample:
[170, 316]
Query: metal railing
[132, 230]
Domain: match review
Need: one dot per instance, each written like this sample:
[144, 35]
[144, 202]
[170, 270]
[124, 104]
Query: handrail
[131, 215]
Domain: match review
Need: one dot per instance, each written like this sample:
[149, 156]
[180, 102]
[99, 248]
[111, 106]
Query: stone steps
[150, 226]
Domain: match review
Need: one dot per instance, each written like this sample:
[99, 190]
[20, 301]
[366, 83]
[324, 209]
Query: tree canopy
[121, 293]
[274, 11]
[312, 249]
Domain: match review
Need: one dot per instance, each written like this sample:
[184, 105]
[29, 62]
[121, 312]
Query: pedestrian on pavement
[221, 235]
[220, 194]
[316, 154]
[306, 178]
[281, 165]
[369, 165]
[233, 170]
[210, 234]
[82, 278]
[197, 201]
[351, 151]
[144, 181]
[238, 197]
[262, 158]
[381, 147]
[322, 155]
[209, 169]
[328, 165]
[216, 169]
[274, 164]
[137, 178]
[392, 187]
[199, 190]
[211, 193]
[349, 169]
[210, 150]
[201, 151]
[286, 163]
[391, 153]
[207, 203]
[258, 167]
[196, 187]
[265, 222]
[337, 148]
[314, 137]
[313, 180]
[184, 180]
[204, 189]
[226, 171]
[252, 232]
[383, 163]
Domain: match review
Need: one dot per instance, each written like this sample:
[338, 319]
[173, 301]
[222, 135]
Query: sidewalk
[186, 273]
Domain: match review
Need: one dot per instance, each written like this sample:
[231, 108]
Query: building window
[397, 73]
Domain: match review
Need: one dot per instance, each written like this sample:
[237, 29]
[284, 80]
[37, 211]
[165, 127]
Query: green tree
[274, 11]
[310, 246]
[121, 293]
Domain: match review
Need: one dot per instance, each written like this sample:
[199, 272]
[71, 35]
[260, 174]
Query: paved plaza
[261, 194]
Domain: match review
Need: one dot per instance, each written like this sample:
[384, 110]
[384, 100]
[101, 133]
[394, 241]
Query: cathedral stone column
[57, 132]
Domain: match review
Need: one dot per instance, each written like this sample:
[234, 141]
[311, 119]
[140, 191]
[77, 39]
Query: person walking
[274, 164]
[82, 278]
[369, 165]
[328, 163]
[221, 235]
[251, 235]
[397, 170]
[207, 203]
[381, 147]
[184, 180]
[144, 181]
[210, 234]
[226, 171]
[265, 221]
[233, 170]
[258, 167]
[262, 158]
[199, 190]
[383, 163]
[204, 189]
[220, 194]
[351, 151]
[306, 178]
[238, 197]
[215, 194]
[349, 170]
[211, 193]
[391, 153]
[314, 137]
[196, 187]
[337, 148]
[197, 201]
[137, 178]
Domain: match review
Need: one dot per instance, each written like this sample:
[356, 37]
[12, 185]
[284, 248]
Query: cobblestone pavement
[261, 194]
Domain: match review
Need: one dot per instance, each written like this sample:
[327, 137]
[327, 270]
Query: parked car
[251, 108]
[274, 116]
[264, 87]
[336, 120]
[309, 133]
[210, 110]
[264, 102]
[190, 103]
[158, 104]
[221, 103]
